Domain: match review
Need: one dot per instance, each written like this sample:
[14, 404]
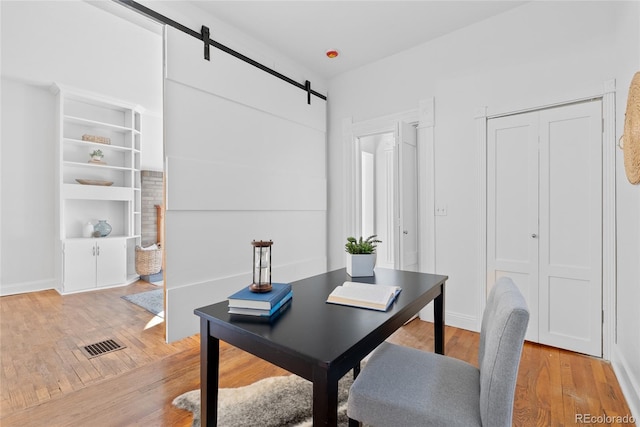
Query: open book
[365, 295]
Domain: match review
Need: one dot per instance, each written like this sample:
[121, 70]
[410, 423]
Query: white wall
[626, 350]
[78, 45]
[535, 55]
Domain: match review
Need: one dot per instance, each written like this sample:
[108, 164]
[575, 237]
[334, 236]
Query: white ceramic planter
[360, 265]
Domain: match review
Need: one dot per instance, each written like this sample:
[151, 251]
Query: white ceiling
[362, 31]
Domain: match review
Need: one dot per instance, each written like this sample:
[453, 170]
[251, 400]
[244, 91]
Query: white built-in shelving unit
[113, 194]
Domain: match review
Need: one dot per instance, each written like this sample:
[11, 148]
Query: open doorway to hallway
[387, 194]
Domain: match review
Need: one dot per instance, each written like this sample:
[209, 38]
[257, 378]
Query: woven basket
[96, 138]
[148, 261]
[631, 137]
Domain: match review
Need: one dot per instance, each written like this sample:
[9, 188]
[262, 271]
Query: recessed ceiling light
[332, 53]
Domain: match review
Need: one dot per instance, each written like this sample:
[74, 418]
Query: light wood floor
[46, 380]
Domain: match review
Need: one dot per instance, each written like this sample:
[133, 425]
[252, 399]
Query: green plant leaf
[362, 246]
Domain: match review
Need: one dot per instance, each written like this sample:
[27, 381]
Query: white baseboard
[458, 320]
[24, 287]
[629, 384]
[129, 281]
[43, 285]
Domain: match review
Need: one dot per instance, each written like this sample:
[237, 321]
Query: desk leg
[438, 321]
[325, 399]
[209, 367]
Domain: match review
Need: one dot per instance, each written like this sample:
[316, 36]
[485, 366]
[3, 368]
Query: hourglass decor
[261, 266]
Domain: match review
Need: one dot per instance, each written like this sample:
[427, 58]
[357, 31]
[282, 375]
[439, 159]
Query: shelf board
[93, 165]
[80, 142]
[96, 192]
[109, 237]
[104, 125]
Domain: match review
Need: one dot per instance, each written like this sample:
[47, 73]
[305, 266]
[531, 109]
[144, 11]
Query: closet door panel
[512, 207]
[571, 227]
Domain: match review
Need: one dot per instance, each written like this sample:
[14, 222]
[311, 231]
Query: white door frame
[423, 117]
[608, 206]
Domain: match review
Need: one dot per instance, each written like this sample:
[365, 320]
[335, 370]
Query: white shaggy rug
[271, 402]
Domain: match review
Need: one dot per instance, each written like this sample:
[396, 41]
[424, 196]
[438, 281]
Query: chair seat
[401, 386]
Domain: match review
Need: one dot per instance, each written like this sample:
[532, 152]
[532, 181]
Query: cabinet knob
[534, 236]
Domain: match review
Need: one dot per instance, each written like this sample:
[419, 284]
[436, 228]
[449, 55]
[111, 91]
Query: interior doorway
[376, 178]
[387, 196]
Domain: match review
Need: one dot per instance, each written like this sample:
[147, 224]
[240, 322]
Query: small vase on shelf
[103, 227]
[87, 230]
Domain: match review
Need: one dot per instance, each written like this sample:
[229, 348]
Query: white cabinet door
[94, 262]
[79, 265]
[111, 262]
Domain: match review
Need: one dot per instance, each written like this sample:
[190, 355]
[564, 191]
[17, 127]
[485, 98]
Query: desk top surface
[323, 333]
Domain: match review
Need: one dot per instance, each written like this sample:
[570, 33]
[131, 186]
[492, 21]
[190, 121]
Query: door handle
[405, 232]
[534, 236]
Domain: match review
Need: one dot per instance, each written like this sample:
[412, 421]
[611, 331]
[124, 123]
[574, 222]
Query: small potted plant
[96, 155]
[361, 255]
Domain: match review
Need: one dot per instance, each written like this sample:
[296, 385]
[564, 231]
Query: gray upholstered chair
[401, 386]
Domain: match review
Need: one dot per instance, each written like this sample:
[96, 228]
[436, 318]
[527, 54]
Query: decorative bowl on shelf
[94, 182]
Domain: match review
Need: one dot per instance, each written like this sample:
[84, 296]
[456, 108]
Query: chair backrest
[504, 324]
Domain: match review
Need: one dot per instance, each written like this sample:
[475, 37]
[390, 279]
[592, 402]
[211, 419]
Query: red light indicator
[332, 53]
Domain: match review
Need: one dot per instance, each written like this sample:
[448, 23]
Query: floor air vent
[100, 348]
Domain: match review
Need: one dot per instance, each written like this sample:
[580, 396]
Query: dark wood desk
[318, 341]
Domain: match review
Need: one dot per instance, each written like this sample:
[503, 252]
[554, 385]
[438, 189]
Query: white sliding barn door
[406, 190]
[544, 214]
[244, 160]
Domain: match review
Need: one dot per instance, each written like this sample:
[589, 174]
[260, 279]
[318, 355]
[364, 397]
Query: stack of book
[260, 304]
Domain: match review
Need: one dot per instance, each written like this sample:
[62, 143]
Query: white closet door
[571, 227]
[512, 207]
[544, 219]
[407, 192]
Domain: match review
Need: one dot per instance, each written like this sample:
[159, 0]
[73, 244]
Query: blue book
[261, 313]
[262, 319]
[244, 298]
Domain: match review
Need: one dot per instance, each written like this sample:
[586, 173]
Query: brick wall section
[151, 196]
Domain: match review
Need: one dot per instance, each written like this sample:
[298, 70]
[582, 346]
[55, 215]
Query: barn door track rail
[204, 36]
